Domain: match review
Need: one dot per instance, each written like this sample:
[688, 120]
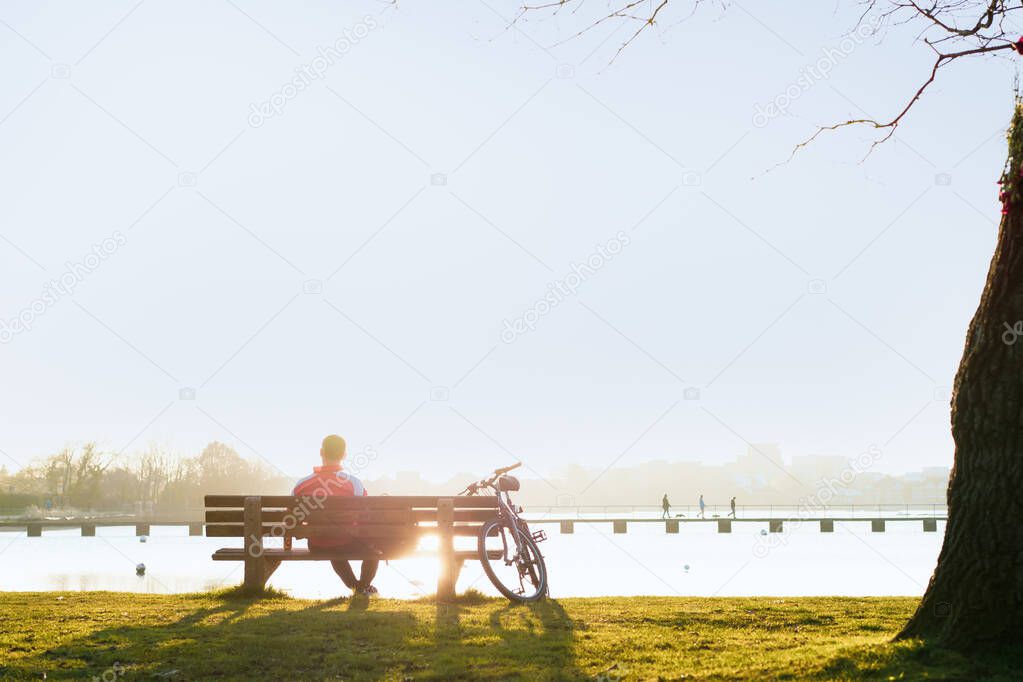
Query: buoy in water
[686, 568]
[143, 538]
[763, 532]
[140, 569]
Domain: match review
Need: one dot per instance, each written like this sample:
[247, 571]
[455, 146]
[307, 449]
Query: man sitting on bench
[329, 479]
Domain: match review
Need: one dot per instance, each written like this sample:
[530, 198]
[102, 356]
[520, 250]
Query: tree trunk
[975, 597]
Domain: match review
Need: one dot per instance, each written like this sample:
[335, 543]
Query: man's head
[333, 449]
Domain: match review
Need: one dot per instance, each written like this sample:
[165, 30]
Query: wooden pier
[34, 529]
[619, 526]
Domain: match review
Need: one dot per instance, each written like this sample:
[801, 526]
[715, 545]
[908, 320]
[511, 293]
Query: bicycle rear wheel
[512, 561]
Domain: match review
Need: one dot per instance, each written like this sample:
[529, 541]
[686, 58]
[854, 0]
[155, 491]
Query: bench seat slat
[237, 554]
[343, 502]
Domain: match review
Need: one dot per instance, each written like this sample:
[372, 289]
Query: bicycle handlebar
[473, 488]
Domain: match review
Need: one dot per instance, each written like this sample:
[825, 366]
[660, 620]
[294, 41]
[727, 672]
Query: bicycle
[507, 549]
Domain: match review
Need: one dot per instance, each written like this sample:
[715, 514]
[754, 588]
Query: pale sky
[821, 306]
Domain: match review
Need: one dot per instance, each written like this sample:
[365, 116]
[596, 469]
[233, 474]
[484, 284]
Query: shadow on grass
[479, 637]
[917, 659]
[245, 638]
[231, 636]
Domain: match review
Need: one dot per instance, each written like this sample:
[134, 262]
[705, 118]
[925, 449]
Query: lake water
[698, 561]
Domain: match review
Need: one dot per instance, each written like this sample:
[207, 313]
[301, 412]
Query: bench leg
[255, 564]
[449, 572]
[255, 574]
[449, 564]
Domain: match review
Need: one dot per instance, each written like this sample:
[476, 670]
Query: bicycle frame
[505, 507]
[507, 510]
[519, 550]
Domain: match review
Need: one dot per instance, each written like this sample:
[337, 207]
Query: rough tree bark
[975, 597]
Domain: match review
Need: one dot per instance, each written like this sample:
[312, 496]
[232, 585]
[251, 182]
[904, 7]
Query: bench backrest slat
[342, 502]
[357, 516]
[233, 530]
[374, 531]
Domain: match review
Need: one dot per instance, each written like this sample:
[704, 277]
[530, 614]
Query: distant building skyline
[758, 476]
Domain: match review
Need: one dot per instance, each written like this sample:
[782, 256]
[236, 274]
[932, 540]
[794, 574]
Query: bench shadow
[237, 638]
[232, 637]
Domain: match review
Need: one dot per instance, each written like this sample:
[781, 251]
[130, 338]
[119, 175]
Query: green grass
[223, 635]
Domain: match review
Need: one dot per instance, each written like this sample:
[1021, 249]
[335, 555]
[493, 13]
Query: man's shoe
[368, 591]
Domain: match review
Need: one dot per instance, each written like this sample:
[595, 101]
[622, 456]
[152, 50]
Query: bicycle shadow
[537, 640]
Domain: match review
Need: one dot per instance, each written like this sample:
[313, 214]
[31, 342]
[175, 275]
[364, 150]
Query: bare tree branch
[626, 10]
[893, 124]
[952, 29]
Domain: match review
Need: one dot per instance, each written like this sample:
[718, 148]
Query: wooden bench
[391, 526]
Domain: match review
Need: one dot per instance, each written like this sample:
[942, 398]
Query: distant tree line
[86, 477]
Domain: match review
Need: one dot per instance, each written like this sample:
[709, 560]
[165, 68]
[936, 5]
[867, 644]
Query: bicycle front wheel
[512, 561]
